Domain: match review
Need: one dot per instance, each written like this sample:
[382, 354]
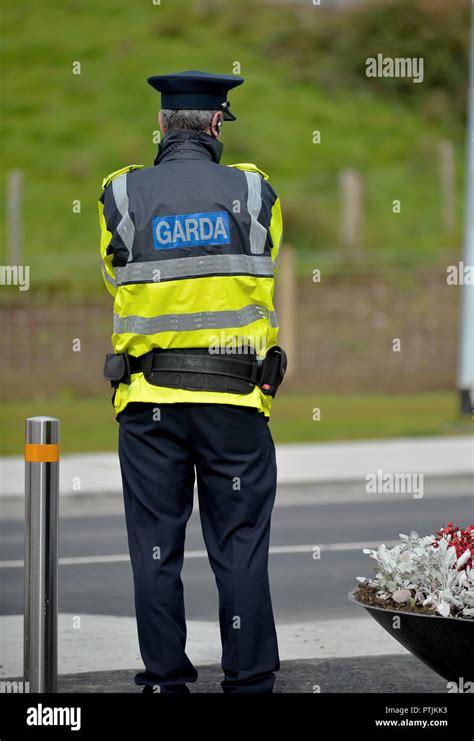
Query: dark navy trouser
[231, 449]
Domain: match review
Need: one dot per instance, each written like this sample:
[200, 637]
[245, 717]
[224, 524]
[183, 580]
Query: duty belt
[198, 370]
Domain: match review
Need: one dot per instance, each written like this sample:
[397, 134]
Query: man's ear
[216, 123]
[160, 121]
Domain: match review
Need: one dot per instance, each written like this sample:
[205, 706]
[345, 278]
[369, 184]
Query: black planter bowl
[446, 645]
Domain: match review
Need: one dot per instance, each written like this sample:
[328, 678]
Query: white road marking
[91, 643]
[274, 550]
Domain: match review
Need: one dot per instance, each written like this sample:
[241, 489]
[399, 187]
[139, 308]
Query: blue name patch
[191, 230]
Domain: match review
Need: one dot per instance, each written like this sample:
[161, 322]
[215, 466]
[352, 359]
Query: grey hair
[186, 119]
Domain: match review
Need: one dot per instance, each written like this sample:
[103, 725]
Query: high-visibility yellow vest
[189, 250]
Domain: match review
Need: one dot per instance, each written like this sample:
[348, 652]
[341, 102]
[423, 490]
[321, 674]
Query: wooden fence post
[14, 205]
[286, 306]
[446, 162]
[351, 193]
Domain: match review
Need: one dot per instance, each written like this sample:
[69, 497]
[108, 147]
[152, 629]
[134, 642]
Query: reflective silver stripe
[126, 227]
[190, 322]
[258, 233]
[107, 277]
[183, 267]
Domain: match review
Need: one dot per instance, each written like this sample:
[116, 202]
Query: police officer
[189, 251]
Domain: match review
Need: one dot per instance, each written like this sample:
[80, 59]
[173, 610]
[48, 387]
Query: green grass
[67, 131]
[89, 424]
[366, 416]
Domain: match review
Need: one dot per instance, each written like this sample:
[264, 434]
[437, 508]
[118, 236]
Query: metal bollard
[40, 660]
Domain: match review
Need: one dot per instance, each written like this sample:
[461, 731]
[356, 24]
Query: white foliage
[431, 577]
[401, 595]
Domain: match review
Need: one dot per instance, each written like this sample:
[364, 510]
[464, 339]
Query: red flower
[461, 539]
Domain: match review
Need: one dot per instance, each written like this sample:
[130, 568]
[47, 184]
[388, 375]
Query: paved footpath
[98, 473]
[352, 655]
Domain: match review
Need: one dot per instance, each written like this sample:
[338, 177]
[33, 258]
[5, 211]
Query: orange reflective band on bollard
[41, 453]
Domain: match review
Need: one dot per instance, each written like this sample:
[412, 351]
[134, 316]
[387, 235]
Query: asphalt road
[303, 588]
